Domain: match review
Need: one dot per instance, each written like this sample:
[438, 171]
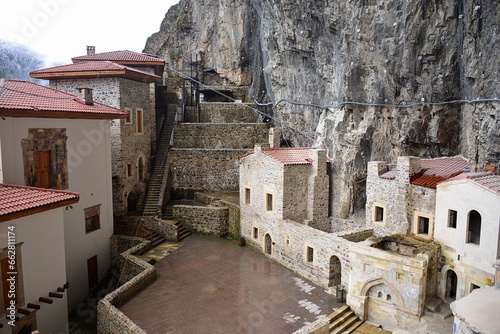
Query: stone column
[275, 137]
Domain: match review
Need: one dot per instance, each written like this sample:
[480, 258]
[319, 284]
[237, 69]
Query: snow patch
[303, 285]
[310, 306]
[290, 318]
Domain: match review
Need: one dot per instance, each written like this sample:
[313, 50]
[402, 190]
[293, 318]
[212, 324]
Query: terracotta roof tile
[439, 169]
[486, 179]
[292, 156]
[118, 56]
[15, 199]
[28, 96]
[91, 66]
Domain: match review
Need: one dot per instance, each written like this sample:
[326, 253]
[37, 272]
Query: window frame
[247, 195]
[269, 202]
[139, 121]
[450, 215]
[375, 206]
[91, 213]
[416, 224]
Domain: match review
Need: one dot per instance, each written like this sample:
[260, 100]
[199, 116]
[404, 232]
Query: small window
[473, 287]
[139, 120]
[247, 196]
[474, 228]
[287, 240]
[255, 232]
[128, 120]
[269, 202]
[310, 254]
[452, 218]
[130, 170]
[388, 297]
[379, 214]
[379, 294]
[92, 218]
[423, 225]
[401, 277]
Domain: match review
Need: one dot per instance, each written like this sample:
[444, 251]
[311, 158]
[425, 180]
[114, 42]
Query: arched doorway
[335, 276]
[451, 284]
[268, 244]
[140, 167]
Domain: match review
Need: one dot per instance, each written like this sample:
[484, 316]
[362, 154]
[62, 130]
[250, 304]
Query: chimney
[90, 50]
[275, 137]
[86, 95]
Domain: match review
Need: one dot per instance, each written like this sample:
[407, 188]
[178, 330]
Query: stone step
[340, 321]
[345, 324]
[338, 313]
[433, 304]
[353, 327]
[442, 312]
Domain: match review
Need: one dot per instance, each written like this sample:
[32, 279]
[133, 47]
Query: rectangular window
[269, 202]
[310, 254]
[130, 170]
[128, 120]
[139, 120]
[423, 225]
[247, 196]
[452, 218]
[43, 169]
[92, 218]
[255, 233]
[379, 214]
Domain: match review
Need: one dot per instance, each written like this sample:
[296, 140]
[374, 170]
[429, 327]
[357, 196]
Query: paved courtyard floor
[211, 285]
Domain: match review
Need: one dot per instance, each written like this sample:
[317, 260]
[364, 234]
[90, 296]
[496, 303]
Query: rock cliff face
[393, 59]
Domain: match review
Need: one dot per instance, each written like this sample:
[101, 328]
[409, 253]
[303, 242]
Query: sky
[61, 29]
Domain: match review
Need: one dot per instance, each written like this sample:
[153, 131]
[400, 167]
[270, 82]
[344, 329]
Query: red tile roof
[486, 179]
[439, 169]
[433, 171]
[118, 56]
[28, 99]
[16, 199]
[292, 156]
[94, 69]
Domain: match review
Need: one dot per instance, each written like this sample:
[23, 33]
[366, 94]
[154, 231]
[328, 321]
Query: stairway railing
[134, 230]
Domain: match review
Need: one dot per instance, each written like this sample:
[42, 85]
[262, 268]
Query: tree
[17, 60]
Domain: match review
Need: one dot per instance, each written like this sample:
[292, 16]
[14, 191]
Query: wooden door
[43, 169]
[92, 271]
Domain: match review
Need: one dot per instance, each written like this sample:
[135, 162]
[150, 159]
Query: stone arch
[335, 274]
[474, 227]
[444, 280]
[268, 244]
[376, 281]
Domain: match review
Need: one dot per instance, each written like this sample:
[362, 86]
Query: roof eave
[43, 208]
[31, 113]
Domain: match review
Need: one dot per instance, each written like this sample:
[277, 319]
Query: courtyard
[211, 285]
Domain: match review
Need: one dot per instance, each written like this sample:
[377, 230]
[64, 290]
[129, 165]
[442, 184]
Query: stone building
[52, 139]
[400, 199]
[392, 278]
[124, 80]
[467, 224]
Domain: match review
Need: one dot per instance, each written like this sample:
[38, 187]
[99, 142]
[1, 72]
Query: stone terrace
[213, 286]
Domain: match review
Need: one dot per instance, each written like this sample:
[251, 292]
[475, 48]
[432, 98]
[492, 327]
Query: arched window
[474, 228]
[268, 244]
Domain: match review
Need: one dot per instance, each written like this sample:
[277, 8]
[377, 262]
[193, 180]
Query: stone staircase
[156, 189]
[343, 320]
[182, 232]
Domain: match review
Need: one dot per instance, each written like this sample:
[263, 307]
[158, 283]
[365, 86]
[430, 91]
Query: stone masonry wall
[109, 318]
[223, 112]
[211, 220]
[205, 169]
[219, 136]
[234, 216]
[128, 146]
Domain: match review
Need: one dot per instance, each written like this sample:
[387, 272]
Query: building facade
[124, 80]
[52, 139]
